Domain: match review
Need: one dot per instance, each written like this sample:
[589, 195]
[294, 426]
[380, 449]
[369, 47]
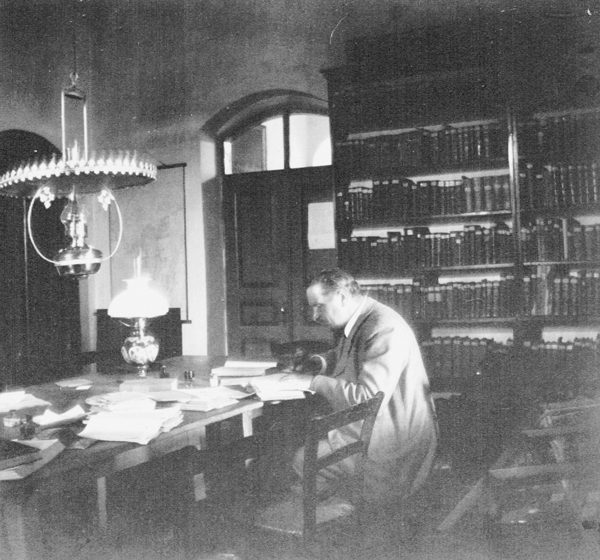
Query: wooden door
[268, 258]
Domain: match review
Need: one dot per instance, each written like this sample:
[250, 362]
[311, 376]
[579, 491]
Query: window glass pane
[310, 142]
[274, 147]
[259, 148]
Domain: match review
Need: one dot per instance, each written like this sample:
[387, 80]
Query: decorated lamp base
[141, 348]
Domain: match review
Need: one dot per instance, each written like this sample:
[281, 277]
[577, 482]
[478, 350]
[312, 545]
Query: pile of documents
[133, 426]
[128, 416]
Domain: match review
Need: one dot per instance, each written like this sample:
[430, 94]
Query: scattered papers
[127, 401]
[280, 387]
[11, 397]
[237, 368]
[170, 396]
[204, 405]
[136, 427]
[216, 392]
[77, 383]
[15, 400]
[49, 448]
[149, 385]
[210, 398]
[50, 418]
[203, 398]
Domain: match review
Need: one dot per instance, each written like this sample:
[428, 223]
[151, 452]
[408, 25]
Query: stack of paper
[279, 387]
[128, 401]
[239, 372]
[139, 426]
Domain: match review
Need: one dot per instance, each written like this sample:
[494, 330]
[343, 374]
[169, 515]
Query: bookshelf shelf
[592, 209]
[507, 322]
[570, 264]
[433, 272]
[564, 320]
[434, 219]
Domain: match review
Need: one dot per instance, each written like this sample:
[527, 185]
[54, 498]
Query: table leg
[192, 524]
[12, 531]
[101, 502]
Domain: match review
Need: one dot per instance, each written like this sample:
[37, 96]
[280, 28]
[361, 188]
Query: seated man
[376, 351]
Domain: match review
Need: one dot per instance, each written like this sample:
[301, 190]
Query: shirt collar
[350, 324]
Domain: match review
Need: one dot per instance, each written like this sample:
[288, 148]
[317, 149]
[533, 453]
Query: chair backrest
[318, 429]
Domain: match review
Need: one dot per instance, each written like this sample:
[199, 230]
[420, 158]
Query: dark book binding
[13, 453]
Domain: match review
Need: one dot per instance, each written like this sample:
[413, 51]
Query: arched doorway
[278, 217]
[39, 325]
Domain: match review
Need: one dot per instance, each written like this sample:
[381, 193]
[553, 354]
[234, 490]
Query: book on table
[44, 450]
[242, 370]
[13, 453]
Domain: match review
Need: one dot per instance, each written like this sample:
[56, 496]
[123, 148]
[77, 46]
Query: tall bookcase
[474, 215]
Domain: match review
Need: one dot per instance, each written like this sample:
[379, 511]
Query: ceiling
[156, 70]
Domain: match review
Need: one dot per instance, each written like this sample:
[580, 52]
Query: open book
[279, 387]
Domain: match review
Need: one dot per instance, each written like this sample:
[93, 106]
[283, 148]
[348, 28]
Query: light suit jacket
[382, 354]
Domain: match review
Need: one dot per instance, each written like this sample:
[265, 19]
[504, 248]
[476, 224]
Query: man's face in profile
[328, 308]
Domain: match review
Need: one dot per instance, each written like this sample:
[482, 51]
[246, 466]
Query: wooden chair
[301, 514]
[551, 476]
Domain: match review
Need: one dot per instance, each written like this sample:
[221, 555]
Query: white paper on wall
[321, 226]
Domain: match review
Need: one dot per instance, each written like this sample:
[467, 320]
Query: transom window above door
[284, 141]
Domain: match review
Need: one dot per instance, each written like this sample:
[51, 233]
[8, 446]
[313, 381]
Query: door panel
[268, 262]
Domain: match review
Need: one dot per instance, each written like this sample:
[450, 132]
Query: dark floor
[145, 530]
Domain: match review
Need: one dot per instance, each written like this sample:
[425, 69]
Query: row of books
[583, 242]
[453, 300]
[547, 371]
[559, 187]
[392, 153]
[559, 138]
[560, 239]
[390, 200]
[564, 296]
[416, 248]
[454, 357]
[561, 370]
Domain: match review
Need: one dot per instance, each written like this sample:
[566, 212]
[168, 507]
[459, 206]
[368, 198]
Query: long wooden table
[94, 465]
